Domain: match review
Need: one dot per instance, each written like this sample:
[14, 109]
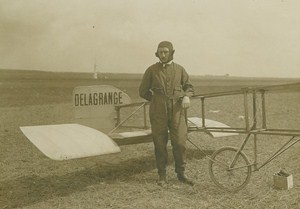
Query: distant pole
[95, 54]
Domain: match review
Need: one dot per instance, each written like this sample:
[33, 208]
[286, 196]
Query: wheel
[229, 170]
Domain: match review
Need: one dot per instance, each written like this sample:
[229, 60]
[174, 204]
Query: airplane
[99, 130]
[97, 112]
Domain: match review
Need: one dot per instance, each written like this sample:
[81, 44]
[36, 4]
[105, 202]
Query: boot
[184, 179]
[162, 180]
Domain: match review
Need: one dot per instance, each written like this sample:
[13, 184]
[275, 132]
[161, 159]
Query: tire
[229, 180]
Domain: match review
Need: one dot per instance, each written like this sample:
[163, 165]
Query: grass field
[28, 179]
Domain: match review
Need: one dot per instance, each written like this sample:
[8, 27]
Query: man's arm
[145, 86]
[187, 86]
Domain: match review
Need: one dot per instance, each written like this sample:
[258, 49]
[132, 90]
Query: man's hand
[185, 102]
[189, 93]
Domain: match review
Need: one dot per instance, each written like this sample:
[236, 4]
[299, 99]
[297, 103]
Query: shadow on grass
[29, 190]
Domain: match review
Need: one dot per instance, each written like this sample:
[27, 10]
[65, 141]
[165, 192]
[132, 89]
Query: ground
[28, 179]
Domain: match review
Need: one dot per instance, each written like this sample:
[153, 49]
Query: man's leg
[178, 140]
[160, 140]
[178, 133]
[161, 153]
[159, 127]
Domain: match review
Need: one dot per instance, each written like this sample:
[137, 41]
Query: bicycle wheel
[229, 170]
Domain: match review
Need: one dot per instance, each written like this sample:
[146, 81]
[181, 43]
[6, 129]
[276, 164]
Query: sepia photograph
[154, 104]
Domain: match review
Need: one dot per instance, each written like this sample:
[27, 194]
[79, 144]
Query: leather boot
[184, 179]
[162, 180]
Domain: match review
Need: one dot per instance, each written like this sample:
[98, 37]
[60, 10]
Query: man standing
[166, 85]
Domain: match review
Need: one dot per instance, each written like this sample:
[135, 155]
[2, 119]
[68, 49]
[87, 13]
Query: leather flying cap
[167, 44]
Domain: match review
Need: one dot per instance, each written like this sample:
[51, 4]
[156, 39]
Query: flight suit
[164, 87]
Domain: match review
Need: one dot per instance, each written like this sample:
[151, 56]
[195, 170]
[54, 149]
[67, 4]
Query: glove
[189, 93]
[185, 103]
[148, 95]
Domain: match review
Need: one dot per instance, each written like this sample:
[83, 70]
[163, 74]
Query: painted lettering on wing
[99, 98]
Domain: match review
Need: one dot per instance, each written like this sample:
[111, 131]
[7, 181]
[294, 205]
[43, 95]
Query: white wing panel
[68, 141]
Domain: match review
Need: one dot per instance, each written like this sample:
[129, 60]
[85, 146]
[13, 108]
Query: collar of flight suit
[165, 64]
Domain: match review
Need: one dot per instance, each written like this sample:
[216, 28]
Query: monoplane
[101, 128]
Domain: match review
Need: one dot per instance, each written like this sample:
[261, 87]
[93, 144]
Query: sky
[250, 38]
